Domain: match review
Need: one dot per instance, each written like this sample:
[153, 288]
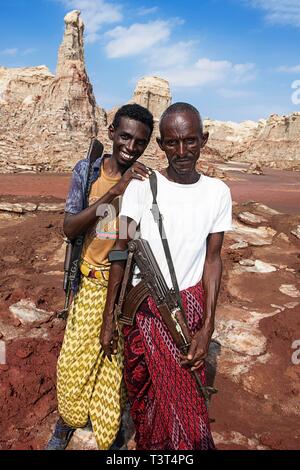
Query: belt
[95, 273]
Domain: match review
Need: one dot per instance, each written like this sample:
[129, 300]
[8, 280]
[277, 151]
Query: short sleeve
[75, 200]
[223, 219]
[133, 201]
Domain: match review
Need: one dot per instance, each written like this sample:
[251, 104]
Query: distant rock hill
[274, 142]
[46, 120]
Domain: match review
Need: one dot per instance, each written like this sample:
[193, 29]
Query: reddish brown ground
[278, 189]
[27, 382]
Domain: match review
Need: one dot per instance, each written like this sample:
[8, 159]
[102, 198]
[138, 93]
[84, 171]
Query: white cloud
[285, 12]
[206, 71]
[244, 72]
[137, 38]
[170, 55]
[286, 69]
[146, 11]
[231, 93]
[30, 50]
[9, 52]
[95, 13]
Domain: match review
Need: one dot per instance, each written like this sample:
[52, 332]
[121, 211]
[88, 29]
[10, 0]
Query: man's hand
[211, 283]
[137, 171]
[198, 350]
[109, 337]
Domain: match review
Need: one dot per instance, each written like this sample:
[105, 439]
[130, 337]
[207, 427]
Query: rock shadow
[212, 362]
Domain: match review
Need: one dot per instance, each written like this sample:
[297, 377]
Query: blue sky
[233, 59]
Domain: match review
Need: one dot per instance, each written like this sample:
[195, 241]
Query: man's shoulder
[139, 186]
[81, 166]
[215, 184]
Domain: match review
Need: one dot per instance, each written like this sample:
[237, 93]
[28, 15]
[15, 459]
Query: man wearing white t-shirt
[166, 408]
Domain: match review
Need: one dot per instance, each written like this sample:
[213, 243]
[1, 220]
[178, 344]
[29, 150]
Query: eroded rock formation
[226, 137]
[46, 120]
[274, 142]
[153, 93]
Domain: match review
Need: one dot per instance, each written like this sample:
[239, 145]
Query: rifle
[154, 284]
[74, 247]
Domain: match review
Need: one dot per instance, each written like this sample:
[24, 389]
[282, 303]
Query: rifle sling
[138, 294]
[158, 218]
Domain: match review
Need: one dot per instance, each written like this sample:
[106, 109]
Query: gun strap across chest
[159, 220]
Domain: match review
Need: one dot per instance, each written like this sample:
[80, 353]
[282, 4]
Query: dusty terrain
[258, 404]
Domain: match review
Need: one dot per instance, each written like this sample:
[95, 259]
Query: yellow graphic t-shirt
[100, 238]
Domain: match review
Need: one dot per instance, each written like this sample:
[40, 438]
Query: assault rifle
[154, 284]
[74, 247]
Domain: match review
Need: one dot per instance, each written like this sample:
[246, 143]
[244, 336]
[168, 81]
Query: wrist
[114, 192]
[208, 327]
[108, 316]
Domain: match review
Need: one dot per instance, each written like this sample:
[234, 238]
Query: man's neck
[171, 175]
[111, 167]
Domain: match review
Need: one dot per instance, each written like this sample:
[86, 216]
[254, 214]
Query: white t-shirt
[190, 213]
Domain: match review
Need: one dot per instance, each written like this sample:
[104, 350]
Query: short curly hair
[136, 112]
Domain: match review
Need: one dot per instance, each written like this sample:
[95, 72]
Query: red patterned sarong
[166, 406]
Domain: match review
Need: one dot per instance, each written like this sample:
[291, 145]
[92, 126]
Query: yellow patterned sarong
[88, 384]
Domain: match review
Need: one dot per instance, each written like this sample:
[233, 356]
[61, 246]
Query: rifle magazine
[134, 299]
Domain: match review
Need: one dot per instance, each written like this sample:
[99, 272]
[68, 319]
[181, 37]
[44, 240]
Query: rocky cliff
[153, 93]
[226, 137]
[274, 142]
[46, 120]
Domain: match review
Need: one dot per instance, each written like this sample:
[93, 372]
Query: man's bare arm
[77, 224]
[211, 280]
[108, 338]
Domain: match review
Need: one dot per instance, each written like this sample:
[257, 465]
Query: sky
[233, 59]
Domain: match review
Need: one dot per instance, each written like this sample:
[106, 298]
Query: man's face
[130, 140]
[181, 140]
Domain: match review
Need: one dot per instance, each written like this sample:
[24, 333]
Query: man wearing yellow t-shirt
[89, 384]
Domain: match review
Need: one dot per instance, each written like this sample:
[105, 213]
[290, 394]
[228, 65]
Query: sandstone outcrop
[154, 94]
[255, 169]
[274, 142]
[251, 219]
[226, 137]
[21, 85]
[296, 231]
[46, 120]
